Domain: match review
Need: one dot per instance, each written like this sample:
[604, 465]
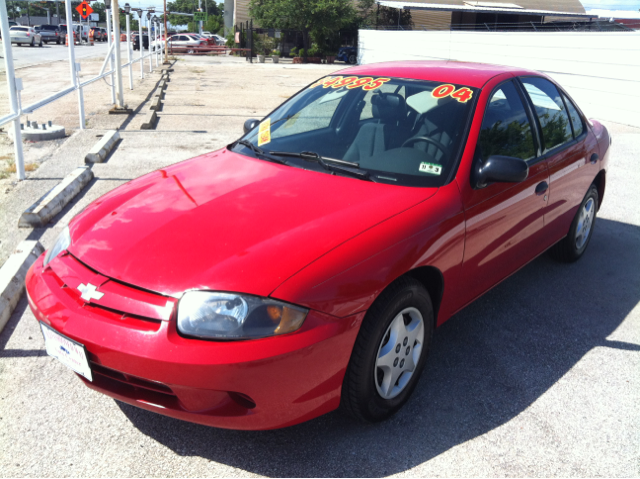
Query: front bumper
[145, 362]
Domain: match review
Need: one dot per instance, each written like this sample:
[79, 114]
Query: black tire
[360, 395]
[571, 247]
[33, 42]
[40, 45]
[353, 59]
[19, 44]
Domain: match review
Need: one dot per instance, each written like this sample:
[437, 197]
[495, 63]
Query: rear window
[19, 29]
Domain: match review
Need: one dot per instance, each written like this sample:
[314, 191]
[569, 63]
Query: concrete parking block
[12, 276]
[41, 212]
[156, 103]
[100, 150]
[149, 122]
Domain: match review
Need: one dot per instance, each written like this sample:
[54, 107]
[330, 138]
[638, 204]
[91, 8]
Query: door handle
[594, 158]
[542, 188]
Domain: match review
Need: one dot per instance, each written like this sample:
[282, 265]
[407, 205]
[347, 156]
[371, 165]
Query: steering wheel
[436, 143]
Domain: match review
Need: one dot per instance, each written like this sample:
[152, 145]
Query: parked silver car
[27, 35]
[188, 43]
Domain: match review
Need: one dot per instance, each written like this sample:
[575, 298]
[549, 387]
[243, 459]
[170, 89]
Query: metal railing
[15, 84]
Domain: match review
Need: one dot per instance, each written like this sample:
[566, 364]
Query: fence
[600, 70]
[15, 84]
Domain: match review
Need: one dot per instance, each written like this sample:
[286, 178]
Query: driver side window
[506, 129]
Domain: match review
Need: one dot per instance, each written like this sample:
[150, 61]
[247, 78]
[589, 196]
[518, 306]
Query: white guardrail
[15, 84]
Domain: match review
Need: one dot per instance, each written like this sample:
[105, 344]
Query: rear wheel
[353, 59]
[390, 352]
[573, 246]
[40, 45]
[33, 42]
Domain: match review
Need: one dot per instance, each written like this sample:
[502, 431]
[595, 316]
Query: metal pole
[149, 36]
[116, 31]
[58, 12]
[129, 52]
[200, 10]
[11, 84]
[166, 37]
[156, 41]
[72, 60]
[109, 41]
[140, 37]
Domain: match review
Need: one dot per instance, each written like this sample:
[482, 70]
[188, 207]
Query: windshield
[405, 132]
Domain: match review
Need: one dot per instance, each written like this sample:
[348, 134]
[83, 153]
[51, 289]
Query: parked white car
[27, 35]
[186, 43]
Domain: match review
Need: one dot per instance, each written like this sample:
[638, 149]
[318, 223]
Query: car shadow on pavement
[487, 365]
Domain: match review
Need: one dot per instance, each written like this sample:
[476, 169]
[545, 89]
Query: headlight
[232, 316]
[63, 241]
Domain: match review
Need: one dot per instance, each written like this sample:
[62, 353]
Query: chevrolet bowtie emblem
[89, 292]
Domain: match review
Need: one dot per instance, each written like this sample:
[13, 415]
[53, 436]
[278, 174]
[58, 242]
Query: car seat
[390, 110]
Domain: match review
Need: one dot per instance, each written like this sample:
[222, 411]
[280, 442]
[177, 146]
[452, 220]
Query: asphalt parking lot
[540, 377]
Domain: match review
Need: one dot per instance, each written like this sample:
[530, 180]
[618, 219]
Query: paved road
[540, 377]
[26, 56]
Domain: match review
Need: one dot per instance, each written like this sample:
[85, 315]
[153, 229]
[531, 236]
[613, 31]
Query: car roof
[461, 73]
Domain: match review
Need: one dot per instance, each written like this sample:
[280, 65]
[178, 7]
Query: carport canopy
[481, 7]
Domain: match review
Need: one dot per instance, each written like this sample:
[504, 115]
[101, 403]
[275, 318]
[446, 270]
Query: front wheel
[390, 352]
[573, 246]
[353, 59]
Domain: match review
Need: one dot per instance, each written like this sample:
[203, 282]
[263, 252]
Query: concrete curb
[149, 122]
[12, 276]
[41, 212]
[100, 150]
[53, 132]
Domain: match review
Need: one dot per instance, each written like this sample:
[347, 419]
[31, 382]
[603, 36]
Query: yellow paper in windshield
[264, 132]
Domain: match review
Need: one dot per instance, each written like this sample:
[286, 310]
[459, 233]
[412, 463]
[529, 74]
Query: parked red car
[306, 265]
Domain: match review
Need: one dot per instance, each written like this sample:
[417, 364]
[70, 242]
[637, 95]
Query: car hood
[224, 221]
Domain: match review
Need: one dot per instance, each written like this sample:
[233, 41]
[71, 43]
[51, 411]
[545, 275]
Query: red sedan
[305, 266]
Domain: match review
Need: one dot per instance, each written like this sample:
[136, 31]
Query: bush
[314, 51]
[294, 52]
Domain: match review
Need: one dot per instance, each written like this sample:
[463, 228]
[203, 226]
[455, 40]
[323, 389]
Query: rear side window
[549, 107]
[506, 129]
[576, 119]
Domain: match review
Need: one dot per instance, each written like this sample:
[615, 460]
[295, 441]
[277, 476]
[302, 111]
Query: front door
[504, 221]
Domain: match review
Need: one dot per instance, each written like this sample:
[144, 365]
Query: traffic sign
[84, 9]
[199, 16]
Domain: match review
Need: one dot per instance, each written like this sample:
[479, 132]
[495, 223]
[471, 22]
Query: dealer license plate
[69, 352]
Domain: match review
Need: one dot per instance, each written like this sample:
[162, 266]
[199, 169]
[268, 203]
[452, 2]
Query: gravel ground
[539, 377]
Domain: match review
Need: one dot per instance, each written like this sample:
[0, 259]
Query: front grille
[137, 308]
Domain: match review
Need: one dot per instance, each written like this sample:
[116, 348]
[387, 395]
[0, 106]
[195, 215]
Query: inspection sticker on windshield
[264, 132]
[430, 168]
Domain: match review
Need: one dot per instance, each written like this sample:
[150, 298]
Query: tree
[316, 19]
[191, 6]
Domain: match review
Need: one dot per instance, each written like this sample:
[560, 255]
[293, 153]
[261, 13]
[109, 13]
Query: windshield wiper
[259, 152]
[330, 164]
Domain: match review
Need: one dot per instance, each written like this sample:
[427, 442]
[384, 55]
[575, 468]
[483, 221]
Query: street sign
[200, 16]
[94, 17]
[84, 9]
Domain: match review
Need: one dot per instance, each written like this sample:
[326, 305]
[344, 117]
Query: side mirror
[250, 125]
[503, 169]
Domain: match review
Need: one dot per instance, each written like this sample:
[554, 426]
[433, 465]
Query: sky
[632, 5]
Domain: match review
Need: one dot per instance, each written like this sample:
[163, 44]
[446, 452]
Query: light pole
[166, 36]
[127, 11]
[140, 42]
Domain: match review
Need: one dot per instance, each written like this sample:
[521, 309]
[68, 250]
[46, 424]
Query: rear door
[569, 152]
[504, 221]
